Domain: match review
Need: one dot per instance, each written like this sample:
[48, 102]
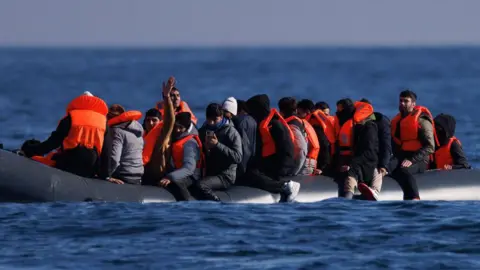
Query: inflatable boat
[25, 180]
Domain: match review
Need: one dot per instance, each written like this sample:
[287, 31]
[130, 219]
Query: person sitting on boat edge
[274, 157]
[414, 140]
[384, 156]
[121, 158]
[186, 161]
[222, 146]
[304, 108]
[357, 148]
[153, 117]
[449, 152]
[178, 104]
[247, 128]
[78, 139]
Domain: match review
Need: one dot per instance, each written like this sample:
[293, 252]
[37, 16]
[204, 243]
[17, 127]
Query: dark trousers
[261, 180]
[179, 189]
[405, 178]
[80, 161]
[209, 184]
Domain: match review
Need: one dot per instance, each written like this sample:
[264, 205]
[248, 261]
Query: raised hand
[167, 87]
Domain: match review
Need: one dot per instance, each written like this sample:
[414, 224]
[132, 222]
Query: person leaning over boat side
[385, 155]
[275, 151]
[156, 151]
[357, 155]
[229, 107]
[222, 146]
[288, 110]
[247, 128]
[449, 152]
[78, 138]
[413, 142]
[121, 156]
[178, 104]
[186, 161]
[304, 108]
[153, 117]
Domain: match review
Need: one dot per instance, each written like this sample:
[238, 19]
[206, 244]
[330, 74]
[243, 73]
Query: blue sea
[37, 84]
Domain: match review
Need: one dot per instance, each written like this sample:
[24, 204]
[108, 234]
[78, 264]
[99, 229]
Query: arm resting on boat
[53, 142]
[425, 135]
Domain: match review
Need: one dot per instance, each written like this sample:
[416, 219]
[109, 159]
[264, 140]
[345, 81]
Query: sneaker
[291, 190]
[367, 192]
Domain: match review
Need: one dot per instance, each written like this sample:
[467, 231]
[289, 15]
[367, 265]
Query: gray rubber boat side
[25, 180]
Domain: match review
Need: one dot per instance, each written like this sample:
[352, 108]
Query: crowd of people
[250, 143]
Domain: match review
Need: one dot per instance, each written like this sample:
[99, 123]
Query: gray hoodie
[191, 156]
[124, 145]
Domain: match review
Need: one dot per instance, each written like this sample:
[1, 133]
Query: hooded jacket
[191, 156]
[247, 128]
[445, 127]
[384, 140]
[282, 163]
[222, 160]
[122, 153]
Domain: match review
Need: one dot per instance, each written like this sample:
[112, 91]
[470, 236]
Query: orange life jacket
[150, 139]
[268, 144]
[443, 156]
[318, 118]
[182, 108]
[313, 144]
[177, 151]
[89, 121]
[409, 126]
[345, 135]
[125, 117]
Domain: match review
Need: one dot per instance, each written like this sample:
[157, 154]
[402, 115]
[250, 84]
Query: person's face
[339, 108]
[326, 111]
[175, 97]
[214, 121]
[301, 113]
[179, 129]
[406, 105]
[151, 122]
[228, 115]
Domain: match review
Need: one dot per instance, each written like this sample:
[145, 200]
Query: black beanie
[183, 119]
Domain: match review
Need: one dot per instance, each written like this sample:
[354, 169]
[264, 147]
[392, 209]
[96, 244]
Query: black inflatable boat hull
[24, 180]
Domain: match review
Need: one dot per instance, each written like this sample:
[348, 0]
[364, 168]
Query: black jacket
[247, 128]
[324, 156]
[445, 127]
[365, 150]
[53, 142]
[384, 140]
[222, 160]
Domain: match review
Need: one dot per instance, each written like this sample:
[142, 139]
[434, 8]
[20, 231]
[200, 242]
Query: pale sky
[238, 23]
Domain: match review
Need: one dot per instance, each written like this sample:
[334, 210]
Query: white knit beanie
[87, 93]
[230, 105]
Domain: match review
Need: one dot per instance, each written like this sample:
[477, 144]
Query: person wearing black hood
[275, 151]
[222, 146]
[449, 153]
[357, 153]
[247, 128]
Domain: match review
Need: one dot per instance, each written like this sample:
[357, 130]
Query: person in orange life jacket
[274, 151]
[76, 154]
[304, 108]
[247, 128]
[153, 117]
[222, 146]
[157, 151]
[449, 153]
[413, 142]
[288, 110]
[121, 159]
[385, 155]
[178, 104]
[322, 105]
[357, 147]
[186, 161]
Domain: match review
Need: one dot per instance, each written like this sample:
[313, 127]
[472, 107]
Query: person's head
[214, 114]
[115, 110]
[445, 127]
[364, 100]
[408, 101]
[259, 107]
[152, 118]
[242, 107]
[175, 97]
[229, 107]
[287, 106]
[345, 110]
[304, 108]
[183, 121]
[323, 106]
